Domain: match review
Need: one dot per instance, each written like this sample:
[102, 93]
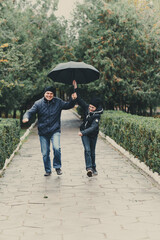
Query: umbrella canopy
[69, 71]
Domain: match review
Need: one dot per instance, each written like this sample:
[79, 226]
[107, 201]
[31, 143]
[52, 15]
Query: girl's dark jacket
[49, 114]
[90, 125]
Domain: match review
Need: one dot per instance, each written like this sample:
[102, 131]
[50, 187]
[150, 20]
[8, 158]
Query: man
[49, 110]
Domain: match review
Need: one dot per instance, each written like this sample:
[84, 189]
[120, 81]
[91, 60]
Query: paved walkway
[121, 203]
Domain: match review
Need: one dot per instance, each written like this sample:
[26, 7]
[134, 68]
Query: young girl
[89, 130]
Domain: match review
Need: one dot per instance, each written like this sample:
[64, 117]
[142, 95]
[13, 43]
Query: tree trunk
[111, 106]
[132, 109]
[14, 113]
[6, 113]
[151, 111]
[21, 116]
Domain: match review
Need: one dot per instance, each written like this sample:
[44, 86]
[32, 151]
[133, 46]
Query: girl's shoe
[95, 172]
[59, 171]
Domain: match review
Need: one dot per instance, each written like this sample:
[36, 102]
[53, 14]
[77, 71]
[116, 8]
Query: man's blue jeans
[45, 149]
[89, 144]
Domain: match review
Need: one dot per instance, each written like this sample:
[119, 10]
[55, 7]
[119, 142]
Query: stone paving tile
[121, 203]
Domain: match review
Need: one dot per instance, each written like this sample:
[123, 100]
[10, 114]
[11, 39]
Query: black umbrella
[69, 71]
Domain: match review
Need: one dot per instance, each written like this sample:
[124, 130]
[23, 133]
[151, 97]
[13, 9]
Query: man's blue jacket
[49, 114]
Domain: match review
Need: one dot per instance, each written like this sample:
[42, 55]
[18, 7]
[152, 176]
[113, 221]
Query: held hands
[25, 120]
[74, 96]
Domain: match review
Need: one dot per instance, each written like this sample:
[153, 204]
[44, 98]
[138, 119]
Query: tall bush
[9, 138]
[138, 135]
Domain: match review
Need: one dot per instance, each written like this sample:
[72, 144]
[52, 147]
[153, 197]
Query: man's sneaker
[89, 173]
[59, 171]
[47, 174]
[95, 172]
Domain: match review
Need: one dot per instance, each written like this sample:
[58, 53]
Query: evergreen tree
[122, 42]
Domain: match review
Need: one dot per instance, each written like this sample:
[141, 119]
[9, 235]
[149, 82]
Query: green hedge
[9, 138]
[138, 135]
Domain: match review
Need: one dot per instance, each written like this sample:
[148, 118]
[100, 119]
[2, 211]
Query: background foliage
[122, 41]
[119, 37]
[31, 40]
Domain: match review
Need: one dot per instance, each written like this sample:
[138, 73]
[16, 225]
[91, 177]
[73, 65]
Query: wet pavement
[121, 203]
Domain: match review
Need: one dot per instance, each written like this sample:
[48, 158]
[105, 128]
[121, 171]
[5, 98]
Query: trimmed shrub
[138, 135]
[9, 138]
